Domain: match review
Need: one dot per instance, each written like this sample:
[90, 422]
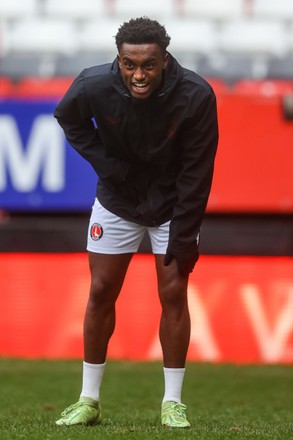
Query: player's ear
[119, 60]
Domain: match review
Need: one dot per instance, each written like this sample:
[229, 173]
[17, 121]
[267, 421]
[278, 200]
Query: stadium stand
[280, 9]
[192, 37]
[15, 9]
[254, 37]
[225, 38]
[97, 36]
[18, 65]
[36, 35]
[76, 9]
[231, 67]
[282, 69]
[72, 65]
[213, 9]
[152, 8]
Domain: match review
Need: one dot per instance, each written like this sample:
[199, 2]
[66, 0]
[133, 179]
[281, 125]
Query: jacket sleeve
[74, 116]
[198, 148]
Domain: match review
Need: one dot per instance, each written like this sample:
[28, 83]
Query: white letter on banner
[272, 342]
[201, 332]
[45, 150]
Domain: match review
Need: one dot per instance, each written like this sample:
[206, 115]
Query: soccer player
[149, 129]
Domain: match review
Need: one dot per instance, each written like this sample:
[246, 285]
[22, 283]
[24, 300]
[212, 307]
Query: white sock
[173, 384]
[92, 376]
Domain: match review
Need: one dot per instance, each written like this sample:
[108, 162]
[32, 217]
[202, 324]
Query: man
[149, 129]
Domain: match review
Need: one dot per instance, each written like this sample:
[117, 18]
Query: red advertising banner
[253, 170]
[241, 308]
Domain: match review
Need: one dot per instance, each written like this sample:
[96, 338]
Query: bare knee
[107, 276]
[103, 292]
[173, 294]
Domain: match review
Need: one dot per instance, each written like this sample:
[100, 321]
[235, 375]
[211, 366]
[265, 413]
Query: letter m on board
[43, 155]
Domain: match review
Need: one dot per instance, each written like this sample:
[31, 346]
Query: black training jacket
[154, 157]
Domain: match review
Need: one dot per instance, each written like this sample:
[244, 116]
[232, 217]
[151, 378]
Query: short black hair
[142, 30]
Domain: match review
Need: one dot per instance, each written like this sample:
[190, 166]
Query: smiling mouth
[140, 87]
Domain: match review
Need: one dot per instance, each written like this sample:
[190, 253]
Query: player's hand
[168, 258]
[185, 264]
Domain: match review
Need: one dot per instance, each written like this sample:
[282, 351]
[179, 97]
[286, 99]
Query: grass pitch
[223, 401]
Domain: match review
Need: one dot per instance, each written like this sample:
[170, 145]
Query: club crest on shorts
[96, 231]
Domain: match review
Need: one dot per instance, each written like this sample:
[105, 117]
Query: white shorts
[110, 234]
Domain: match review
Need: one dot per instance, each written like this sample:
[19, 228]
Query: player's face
[141, 67]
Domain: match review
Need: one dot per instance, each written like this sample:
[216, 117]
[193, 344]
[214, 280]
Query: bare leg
[107, 276]
[175, 319]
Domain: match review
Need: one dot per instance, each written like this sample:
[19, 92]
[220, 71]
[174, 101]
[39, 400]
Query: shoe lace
[176, 411]
[179, 409]
[71, 408]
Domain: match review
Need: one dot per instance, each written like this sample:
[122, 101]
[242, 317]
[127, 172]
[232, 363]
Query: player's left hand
[185, 264]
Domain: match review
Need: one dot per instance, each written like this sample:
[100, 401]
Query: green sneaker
[173, 415]
[85, 412]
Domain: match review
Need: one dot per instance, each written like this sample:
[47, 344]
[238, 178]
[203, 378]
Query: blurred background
[244, 48]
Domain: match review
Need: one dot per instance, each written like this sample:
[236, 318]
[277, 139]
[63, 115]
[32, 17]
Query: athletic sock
[92, 376]
[173, 384]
